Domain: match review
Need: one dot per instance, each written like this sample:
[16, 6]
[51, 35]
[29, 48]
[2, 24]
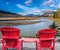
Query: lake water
[32, 29]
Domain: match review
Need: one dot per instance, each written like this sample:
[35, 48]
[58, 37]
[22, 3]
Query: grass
[15, 21]
[20, 18]
[2, 23]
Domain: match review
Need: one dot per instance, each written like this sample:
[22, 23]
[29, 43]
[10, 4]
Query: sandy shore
[18, 21]
[18, 18]
[9, 23]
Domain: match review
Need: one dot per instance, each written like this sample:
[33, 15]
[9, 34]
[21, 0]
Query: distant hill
[9, 14]
[4, 12]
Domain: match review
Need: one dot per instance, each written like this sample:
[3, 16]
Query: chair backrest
[11, 42]
[10, 32]
[47, 33]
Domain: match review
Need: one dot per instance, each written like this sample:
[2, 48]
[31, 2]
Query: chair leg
[6, 48]
[18, 48]
[52, 48]
[3, 48]
[38, 46]
[53, 45]
[3, 45]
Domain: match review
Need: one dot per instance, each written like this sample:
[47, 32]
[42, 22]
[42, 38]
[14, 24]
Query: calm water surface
[31, 29]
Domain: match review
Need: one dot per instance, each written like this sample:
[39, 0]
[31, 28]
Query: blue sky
[24, 7]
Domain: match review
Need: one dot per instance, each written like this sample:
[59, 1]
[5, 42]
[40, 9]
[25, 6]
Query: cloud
[21, 13]
[58, 5]
[51, 3]
[35, 11]
[22, 7]
[32, 11]
[28, 2]
[48, 2]
[27, 9]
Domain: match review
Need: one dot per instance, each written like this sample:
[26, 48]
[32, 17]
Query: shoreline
[18, 18]
[19, 21]
[7, 23]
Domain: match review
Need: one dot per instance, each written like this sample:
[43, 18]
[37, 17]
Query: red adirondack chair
[46, 39]
[10, 38]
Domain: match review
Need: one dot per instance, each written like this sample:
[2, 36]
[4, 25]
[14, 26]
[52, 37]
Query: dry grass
[16, 23]
[56, 20]
[20, 18]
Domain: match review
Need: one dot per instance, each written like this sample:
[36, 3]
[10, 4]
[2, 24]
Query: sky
[25, 7]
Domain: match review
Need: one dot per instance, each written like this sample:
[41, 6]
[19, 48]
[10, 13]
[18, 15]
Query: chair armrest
[0, 40]
[20, 40]
[55, 40]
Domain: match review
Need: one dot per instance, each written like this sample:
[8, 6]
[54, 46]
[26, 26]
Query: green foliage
[53, 25]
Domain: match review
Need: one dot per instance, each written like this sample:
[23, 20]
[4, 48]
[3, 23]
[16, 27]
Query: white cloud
[48, 2]
[21, 13]
[22, 7]
[58, 5]
[52, 5]
[54, 10]
[34, 11]
[28, 10]
[28, 2]
[25, 8]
